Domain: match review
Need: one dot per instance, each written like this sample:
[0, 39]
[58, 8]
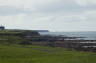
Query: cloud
[49, 14]
[81, 2]
[9, 10]
[42, 6]
[59, 6]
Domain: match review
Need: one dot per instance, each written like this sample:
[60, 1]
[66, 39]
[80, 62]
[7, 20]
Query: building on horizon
[2, 27]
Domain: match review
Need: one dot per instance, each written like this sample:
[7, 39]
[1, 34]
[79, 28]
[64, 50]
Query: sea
[88, 35]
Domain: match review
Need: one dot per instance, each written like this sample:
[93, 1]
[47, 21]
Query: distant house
[2, 27]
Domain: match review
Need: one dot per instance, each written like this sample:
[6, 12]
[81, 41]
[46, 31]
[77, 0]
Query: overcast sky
[54, 15]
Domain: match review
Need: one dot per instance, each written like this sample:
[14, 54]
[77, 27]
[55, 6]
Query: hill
[16, 36]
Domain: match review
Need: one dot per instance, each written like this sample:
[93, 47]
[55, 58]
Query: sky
[53, 15]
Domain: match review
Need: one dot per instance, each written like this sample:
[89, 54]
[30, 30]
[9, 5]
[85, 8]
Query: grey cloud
[91, 7]
[64, 6]
[53, 16]
[9, 10]
[60, 6]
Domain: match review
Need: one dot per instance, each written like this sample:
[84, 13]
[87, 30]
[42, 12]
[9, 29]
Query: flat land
[42, 54]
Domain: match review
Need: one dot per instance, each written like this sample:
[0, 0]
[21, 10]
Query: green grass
[41, 54]
[13, 53]
[10, 54]
[10, 40]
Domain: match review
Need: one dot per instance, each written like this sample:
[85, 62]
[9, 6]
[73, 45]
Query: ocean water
[87, 35]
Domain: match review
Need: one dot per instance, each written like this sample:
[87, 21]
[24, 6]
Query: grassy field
[11, 51]
[41, 54]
